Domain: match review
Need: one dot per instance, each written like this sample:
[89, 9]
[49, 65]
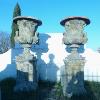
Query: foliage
[59, 92]
[17, 12]
[48, 91]
[92, 92]
[4, 42]
[7, 83]
[92, 88]
[7, 91]
[7, 88]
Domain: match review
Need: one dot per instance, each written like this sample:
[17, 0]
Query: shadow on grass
[7, 91]
[47, 90]
[93, 90]
[7, 88]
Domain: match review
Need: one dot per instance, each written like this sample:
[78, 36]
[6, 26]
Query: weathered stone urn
[72, 73]
[26, 35]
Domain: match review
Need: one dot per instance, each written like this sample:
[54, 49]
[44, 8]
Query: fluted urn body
[26, 35]
[72, 73]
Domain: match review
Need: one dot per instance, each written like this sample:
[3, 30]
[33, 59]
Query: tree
[4, 42]
[17, 12]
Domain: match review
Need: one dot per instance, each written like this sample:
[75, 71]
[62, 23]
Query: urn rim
[85, 19]
[39, 22]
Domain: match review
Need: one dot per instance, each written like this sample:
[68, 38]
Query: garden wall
[50, 54]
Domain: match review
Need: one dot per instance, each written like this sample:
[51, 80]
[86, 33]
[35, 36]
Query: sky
[51, 12]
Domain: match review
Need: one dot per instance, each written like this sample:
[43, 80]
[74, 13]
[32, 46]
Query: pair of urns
[27, 27]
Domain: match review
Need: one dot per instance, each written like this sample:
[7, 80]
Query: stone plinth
[73, 76]
[26, 73]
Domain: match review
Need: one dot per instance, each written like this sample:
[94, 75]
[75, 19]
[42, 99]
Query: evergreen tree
[17, 12]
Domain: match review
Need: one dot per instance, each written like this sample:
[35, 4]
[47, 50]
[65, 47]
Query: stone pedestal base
[72, 75]
[26, 73]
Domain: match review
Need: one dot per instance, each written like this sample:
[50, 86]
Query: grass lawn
[47, 91]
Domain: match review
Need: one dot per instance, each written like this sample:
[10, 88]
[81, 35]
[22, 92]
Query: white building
[50, 54]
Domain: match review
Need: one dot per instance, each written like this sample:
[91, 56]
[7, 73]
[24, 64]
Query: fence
[92, 74]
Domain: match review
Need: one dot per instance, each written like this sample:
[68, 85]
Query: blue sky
[51, 12]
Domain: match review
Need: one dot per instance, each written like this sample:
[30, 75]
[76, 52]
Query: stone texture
[72, 73]
[26, 62]
[73, 80]
[74, 32]
[27, 28]
[26, 73]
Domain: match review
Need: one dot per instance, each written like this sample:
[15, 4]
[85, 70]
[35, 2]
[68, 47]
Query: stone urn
[72, 73]
[26, 35]
[74, 27]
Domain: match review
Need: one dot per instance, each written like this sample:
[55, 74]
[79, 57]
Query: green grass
[7, 88]
[92, 88]
[46, 90]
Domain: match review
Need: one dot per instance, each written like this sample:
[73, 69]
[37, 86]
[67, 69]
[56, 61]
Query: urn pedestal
[72, 73]
[26, 35]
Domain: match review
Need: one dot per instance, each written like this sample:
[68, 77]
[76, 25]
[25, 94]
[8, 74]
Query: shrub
[16, 12]
[4, 42]
[7, 84]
